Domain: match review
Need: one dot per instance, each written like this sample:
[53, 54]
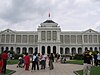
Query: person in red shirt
[1, 65]
[4, 57]
[27, 61]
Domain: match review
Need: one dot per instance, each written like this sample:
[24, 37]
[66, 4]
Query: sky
[71, 15]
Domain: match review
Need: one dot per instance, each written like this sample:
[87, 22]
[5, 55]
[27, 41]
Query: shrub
[78, 57]
[16, 56]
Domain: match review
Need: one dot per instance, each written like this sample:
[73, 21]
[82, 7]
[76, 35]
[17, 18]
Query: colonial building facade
[49, 39]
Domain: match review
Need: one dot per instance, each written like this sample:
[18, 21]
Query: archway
[18, 50]
[95, 49]
[48, 50]
[24, 50]
[79, 50]
[54, 49]
[67, 50]
[43, 50]
[2, 49]
[73, 51]
[86, 48]
[91, 49]
[7, 49]
[61, 50]
[36, 50]
[30, 50]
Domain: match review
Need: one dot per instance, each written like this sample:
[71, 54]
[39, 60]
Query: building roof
[48, 21]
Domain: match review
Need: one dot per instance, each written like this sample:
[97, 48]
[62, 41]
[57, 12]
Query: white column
[21, 50]
[45, 49]
[77, 50]
[27, 49]
[58, 36]
[39, 36]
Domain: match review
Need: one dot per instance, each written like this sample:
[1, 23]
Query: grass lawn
[8, 72]
[94, 71]
[11, 62]
[80, 62]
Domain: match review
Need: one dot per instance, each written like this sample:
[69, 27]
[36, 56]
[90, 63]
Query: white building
[49, 39]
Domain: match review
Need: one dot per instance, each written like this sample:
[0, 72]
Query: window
[85, 39]
[48, 35]
[12, 38]
[43, 35]
[79, 39]
[3, 38]
[73, 38]
[24, 40]
[54, 35]
[67, 39]
[18, 38]
[31, 38]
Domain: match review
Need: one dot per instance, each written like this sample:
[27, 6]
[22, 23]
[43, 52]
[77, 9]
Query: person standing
[26, 61]
[98, 58]
[43, 61]
[1, 65]
[51, 57]
[4, 57]
[34, 61]
[87, 63]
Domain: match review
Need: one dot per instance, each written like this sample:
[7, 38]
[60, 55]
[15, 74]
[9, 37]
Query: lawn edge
[76, 73]
[11, 72]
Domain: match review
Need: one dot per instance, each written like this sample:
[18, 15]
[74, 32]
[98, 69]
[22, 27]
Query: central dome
[48, 21]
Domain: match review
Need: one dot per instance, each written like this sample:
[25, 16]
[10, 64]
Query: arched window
[30, 50]
[43, 50]
[54, 49]
[61, 50]
[73, 51]
[91, 49]
[48, 50]
[24, 50]
[7, 49]
[95, 49]
[86, 48]
[79, 50]
[67, 50]
[18, 50]
[2, 49]
[36, 50]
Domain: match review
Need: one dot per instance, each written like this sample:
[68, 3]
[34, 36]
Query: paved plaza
[59, 69]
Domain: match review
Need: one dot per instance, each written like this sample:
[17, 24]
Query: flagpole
[49, 15]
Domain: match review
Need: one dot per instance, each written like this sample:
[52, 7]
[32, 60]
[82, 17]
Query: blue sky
[71, 15]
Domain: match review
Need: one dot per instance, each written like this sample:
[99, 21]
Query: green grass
[11, 62]
[94, 71]
[80, 62]
[8, 72]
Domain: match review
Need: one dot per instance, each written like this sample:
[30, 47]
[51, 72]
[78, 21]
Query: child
[20, 62]
[1, 65]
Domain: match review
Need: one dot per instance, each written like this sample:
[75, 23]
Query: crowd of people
[39, 61]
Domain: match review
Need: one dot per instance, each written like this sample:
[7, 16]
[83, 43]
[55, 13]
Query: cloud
[19, 14]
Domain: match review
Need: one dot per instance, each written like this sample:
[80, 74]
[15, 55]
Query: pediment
[90, 31]
[7, 31]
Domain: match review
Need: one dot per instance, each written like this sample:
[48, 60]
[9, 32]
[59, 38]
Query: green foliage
[11, 62]
[94, 71]
[16, 56]
[8, 72]
[78, 57]
[80, 62]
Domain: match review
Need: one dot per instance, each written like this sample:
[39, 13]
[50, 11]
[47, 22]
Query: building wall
[49, 39]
